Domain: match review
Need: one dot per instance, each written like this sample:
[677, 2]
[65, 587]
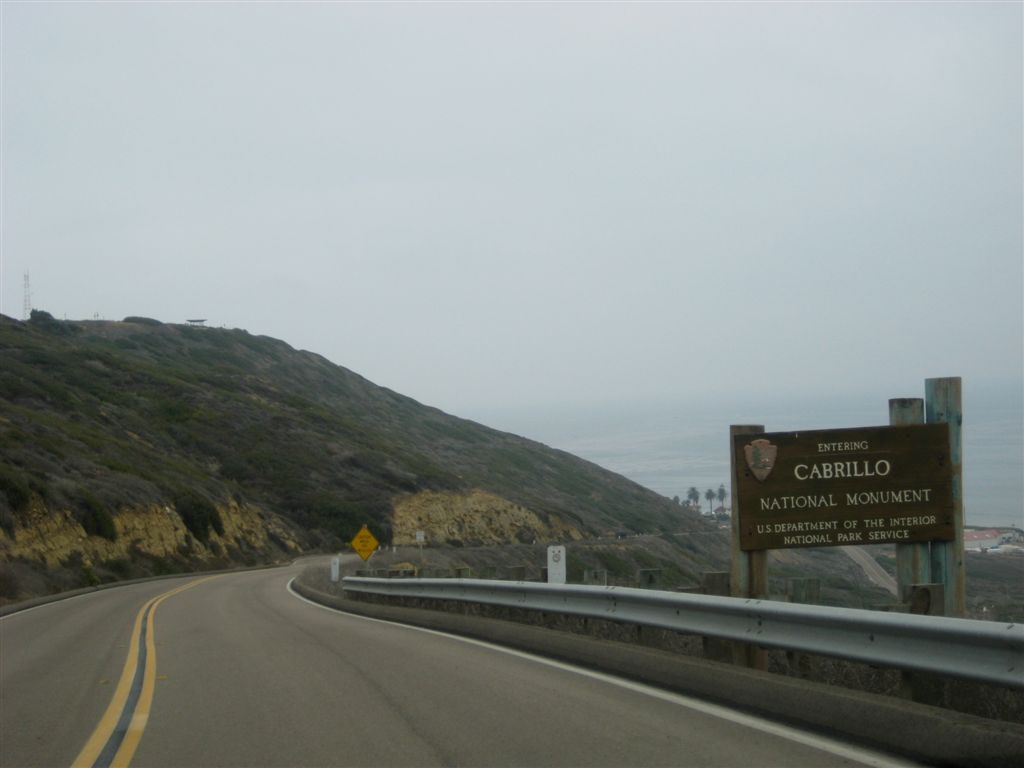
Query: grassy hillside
[98, 417]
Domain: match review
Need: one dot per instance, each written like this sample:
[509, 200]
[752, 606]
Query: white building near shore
[988, 538]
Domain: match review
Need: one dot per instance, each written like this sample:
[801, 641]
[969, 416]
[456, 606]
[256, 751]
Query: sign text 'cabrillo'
[869, 485]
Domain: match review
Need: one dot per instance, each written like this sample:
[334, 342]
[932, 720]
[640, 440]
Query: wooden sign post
[749, 573]
[942, 402]
[913, 561]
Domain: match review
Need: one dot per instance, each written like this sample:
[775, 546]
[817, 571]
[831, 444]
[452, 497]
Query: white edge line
[107, 587]
[47, 604]
[859, 754]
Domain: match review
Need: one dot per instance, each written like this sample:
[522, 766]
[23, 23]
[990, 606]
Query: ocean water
[669, 447]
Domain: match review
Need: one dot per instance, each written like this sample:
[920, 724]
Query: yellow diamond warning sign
[365, 543]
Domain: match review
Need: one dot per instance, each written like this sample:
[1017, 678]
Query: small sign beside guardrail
[556, 565]
[365, 543]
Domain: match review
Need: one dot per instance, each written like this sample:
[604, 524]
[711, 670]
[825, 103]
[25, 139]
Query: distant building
[987, 538]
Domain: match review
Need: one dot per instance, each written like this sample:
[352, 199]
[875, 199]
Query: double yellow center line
[117, 736]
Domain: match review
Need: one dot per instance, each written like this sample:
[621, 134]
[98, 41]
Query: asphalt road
[248, 674]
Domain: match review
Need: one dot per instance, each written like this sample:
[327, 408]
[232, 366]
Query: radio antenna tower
[27, 309]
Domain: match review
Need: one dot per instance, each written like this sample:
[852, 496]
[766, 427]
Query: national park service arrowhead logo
[760, 456]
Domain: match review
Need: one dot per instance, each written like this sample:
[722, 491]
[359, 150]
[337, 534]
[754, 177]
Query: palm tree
[710, 496]
[721, 495]
[693, 495]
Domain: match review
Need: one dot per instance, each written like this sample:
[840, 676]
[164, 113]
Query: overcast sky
[512, 204]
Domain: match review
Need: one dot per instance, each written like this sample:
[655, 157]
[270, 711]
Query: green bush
[14, 485]
[199, 514]
[10, 587]
[6, 520]
[121, 567]
[46, 322]
[95, 518]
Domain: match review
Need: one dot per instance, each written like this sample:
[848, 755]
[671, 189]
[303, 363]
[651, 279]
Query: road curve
[248, 674]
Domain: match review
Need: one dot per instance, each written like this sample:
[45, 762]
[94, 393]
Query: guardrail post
[807, 591]
[749, 573]
[925, 600]
[715, 583]
[928, 599]
[648, 578]
[803, 590]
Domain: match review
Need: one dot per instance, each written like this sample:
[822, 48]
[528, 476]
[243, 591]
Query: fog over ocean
[669, 447]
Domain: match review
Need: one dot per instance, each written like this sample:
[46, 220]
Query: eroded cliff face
[54, 538]
[473, 518]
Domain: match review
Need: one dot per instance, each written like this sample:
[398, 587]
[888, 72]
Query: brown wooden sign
[821, 488]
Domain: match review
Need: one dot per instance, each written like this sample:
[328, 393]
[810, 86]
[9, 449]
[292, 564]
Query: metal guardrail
[975, 650]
